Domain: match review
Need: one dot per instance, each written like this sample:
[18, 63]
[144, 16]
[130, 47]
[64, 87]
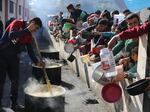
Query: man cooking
[17, 34]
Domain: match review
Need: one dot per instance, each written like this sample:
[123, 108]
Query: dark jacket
[1, 28]
[75, 15]
[16, 35]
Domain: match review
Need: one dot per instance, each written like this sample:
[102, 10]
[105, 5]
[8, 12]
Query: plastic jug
[108, 62]
[118, 19]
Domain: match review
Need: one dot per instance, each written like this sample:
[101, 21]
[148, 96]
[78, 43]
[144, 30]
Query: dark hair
[37, 21]
[98, 12]
[131, 16]
[122, 26]
[134, 50]
[115, 12]
[105, 10]
[70, 6]
[9, 21]
[126, 11]
[78, 5]
[61, 12]
[106, 14]
[148, 8]
[103, 22]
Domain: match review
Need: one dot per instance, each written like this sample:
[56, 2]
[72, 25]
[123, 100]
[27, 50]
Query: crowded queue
[103, 29]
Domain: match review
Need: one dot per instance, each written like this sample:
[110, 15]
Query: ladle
[44, 69]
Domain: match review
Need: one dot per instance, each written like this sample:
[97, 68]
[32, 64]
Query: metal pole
[86, 75]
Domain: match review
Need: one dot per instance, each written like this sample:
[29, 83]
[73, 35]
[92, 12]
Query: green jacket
[128, 45]
[132, 72]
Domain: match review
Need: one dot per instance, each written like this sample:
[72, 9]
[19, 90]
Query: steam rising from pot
[33, 88]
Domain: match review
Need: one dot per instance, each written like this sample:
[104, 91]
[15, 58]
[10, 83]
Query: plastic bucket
[66, 27]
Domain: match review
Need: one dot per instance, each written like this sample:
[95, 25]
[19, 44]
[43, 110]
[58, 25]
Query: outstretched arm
[129, 34]
[134, 32]
[31, 53]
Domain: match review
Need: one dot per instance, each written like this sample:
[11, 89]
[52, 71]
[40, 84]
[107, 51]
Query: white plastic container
[108, 62]
[118, 18]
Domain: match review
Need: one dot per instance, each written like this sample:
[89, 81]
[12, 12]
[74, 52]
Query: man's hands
[40, 64]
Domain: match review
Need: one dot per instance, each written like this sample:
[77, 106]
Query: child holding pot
[129, 65]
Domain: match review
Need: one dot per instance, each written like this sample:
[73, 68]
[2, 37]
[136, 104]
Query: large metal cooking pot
[50, 54]
[40, 100]
[53, 72]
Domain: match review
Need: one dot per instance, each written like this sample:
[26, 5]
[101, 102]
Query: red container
[111, 92]
[72, 41]
[96, 50]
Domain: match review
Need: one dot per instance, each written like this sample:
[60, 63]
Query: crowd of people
[118, 31]
[98, 30]
[102, 29]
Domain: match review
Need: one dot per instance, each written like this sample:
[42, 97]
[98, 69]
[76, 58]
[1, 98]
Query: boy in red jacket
[18, 33]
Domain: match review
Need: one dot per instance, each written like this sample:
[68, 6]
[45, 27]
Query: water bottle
[108, 62]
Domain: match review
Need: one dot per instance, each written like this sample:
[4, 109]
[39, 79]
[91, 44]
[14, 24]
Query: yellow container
[85, 58]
